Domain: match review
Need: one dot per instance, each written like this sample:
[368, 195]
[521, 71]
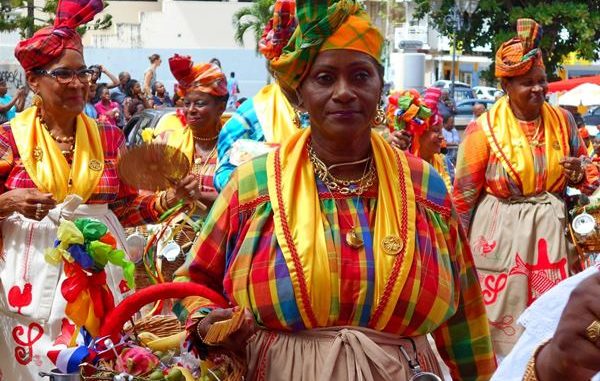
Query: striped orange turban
[518, 55]
[325, 25]
[49, 43]
[204, 77]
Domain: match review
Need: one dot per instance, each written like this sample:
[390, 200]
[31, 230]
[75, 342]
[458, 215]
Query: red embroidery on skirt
[19, 299]
[484, 247]
[504, 324]
[542, 276]
[492, 286]
[24, 348]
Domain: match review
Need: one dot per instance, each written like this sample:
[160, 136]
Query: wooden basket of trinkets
[584, 230]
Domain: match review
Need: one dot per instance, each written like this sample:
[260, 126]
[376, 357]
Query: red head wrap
[279, 29]
[49, 43]
[432, 97]
[205, 77]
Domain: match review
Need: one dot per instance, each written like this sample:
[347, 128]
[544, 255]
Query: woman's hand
[236, 342]
[571, 355]
[573, 168]
[401, 139]
[31, 203]
[187, 189]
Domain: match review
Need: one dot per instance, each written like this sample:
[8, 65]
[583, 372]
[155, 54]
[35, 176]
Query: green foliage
[12, 20]
[570, 26]
[253, 18]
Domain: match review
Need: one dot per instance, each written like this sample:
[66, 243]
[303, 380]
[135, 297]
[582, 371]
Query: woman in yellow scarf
[344, 252]
[56, 163]
[513, 167]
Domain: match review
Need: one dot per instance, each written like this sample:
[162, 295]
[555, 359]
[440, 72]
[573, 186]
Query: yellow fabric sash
[275, 113]
[299, 228]
[172, 132]
[439, 163]
[510, 145]
[45, 163]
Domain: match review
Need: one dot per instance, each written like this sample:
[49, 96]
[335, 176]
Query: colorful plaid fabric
[204, 77]
[131, 208]
[48, 43]
[279, 29]
[333, 24]
[238, 255]
[243, 124]
[479, 171]
[518, 55]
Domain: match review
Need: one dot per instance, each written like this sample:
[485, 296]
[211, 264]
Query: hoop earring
[380, 117]
[298, 116]
[37, 101]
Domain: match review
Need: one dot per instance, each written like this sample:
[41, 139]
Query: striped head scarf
[325, 25]
[518, 55]
[279, 29]
[49, 43]
[204, 77]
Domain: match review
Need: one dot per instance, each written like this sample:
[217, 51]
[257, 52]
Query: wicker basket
[160, 325]
[588, 245]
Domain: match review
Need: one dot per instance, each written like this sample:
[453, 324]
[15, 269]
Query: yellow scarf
[275, 113]
[299, 228]
[510, 145]
[45, 163]
[439, 163]
[172, 132]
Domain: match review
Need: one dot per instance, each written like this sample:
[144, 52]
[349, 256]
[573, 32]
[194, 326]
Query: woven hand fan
[220, 331]
[153, 167]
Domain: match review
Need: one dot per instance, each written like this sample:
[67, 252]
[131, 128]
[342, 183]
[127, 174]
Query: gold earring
[380, 117]
[37, 101]
[298, 118]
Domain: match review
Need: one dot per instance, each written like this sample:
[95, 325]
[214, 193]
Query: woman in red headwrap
[420, 119]
[57, 163]
[513, 167]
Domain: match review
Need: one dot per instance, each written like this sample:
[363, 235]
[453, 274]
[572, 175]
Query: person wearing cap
[422, 120]
[513, 167]
[344, 252]
[268, 116]
[195, 132]
[56, 163]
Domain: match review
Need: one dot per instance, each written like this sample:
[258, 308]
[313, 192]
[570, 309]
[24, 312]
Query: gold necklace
[212, 138]
[353, 239]
[201, 164]
[57, 138]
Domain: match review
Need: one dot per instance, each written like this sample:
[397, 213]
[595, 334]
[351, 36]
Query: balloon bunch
[407, 111]
[85, 247]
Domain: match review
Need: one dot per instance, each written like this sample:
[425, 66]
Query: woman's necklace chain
[200, 164]
[210, 139]
[70, 140]
[345, 187]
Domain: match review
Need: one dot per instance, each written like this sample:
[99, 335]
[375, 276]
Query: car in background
[464, 111]
[486, 92]
[149, 118]
[462, 90]
[592, 117]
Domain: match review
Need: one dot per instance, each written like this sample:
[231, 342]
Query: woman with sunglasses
[342, 250]
[56, 163]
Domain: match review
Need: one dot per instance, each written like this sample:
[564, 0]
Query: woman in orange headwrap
[513, 167]
[56, 163]
[343, 249]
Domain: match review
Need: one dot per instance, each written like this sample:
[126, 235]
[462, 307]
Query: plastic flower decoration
[407, 111]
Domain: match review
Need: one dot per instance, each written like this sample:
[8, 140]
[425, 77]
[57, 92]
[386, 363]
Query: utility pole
[30, 18]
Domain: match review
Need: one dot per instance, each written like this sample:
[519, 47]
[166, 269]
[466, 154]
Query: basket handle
[114, 321]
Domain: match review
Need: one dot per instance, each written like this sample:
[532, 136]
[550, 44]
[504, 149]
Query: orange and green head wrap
[325, 25]
[518, 55]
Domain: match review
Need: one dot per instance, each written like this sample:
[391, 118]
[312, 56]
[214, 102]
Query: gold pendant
[392, 245]
[556, 146]
[353, 240]
[95, 165]
[38, 154]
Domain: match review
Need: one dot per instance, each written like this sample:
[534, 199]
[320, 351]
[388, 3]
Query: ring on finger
[192, 193]
[593, 331]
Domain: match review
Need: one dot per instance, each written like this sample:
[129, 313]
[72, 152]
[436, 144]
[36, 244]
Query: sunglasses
[65, 76]
[415, 367]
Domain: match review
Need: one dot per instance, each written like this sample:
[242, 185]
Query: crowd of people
[362, 236]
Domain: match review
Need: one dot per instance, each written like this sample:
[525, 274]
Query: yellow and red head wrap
[279, 29]
[204, 77]
[518, 55]
[325, 25]
[49, 43]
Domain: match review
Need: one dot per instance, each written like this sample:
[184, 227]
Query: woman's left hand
[573, 168]
[187, 189]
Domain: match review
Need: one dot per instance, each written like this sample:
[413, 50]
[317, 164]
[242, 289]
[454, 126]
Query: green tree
[253, 18]
[11, 19]
[570, 26]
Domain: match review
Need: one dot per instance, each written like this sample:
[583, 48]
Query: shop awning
[569, 84]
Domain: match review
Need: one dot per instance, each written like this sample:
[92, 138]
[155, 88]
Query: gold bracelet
[158, 203]
[530, 372]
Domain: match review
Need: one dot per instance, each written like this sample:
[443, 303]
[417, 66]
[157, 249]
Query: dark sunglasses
[65, 76]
